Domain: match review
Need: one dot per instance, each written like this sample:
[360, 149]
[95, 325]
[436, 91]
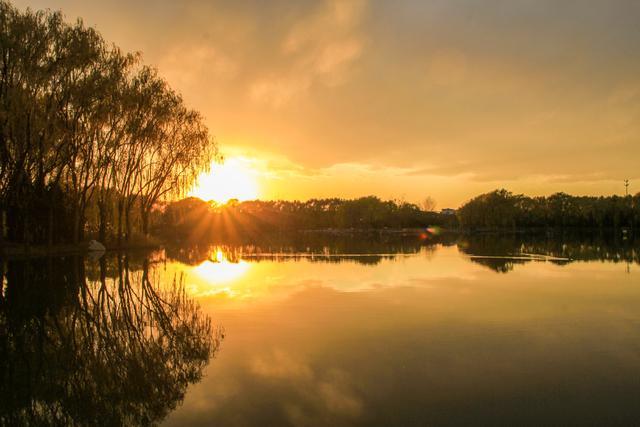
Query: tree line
[195, 219]
[501, 209]
[89, 136]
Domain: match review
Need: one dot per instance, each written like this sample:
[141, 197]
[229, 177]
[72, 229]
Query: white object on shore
[94, 245]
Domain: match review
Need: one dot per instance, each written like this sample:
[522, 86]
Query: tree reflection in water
[114, 349]
[501, 252]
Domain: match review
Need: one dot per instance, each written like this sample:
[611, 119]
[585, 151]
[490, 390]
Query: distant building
[448, 211]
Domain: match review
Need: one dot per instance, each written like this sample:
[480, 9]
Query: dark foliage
[194, 220]
[502, 209]
[87, 133]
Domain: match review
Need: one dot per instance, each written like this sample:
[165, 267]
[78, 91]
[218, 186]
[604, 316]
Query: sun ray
[235, 178]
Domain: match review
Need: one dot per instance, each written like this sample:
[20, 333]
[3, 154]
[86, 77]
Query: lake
[328, 330]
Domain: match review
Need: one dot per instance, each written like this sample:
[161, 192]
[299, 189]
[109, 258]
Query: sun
[232, 179]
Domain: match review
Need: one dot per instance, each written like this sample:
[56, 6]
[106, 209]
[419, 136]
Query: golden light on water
[248, 280]
[220, 270]
[233, 179]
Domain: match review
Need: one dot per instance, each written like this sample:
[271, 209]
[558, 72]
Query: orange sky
[401, 99]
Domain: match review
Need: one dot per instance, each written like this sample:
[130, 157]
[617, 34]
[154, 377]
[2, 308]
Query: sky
[400, 99]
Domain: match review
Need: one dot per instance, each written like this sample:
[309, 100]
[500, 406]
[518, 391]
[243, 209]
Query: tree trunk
[144, 213]
[76, 226]
[50, 226]
[127, 219]
[3, 295]
[25, 232]
[102, 219]
[81, 221]
[3, 222]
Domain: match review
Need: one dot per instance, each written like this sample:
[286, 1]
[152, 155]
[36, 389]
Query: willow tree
[110, 133]
[179, 150]
[29, 139]
[55, 84]
[166, 146]
[80, 122]
[93, 71]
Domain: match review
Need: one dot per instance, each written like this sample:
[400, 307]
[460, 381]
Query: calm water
[328, 331]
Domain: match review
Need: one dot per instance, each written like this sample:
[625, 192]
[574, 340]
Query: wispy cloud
[318, 49]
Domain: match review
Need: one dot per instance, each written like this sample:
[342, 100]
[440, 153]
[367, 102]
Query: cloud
[185, 64]
[318, 49]
[460, 95]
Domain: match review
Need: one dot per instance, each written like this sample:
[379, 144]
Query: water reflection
[363, 248]
[108, 342]
[431, 333]
[271, 268]
[333, 330]
[499, 252]
[502, 252]
[220, 269]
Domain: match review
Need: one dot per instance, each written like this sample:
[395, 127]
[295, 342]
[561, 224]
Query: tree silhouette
[84, 128]
[502, 209]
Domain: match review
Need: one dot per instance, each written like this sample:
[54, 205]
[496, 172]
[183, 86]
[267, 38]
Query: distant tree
[428, 204]
[502, 209]
[181, 218]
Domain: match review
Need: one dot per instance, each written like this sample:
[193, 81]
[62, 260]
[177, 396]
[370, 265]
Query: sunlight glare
[221, 270]
[233, 179]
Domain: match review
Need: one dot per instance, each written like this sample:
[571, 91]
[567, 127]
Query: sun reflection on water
[219, 273]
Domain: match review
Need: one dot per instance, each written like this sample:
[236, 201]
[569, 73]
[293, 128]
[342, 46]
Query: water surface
[355, 331]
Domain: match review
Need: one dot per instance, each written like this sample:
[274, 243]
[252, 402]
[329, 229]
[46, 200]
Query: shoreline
[463, 231]
[13, 250]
